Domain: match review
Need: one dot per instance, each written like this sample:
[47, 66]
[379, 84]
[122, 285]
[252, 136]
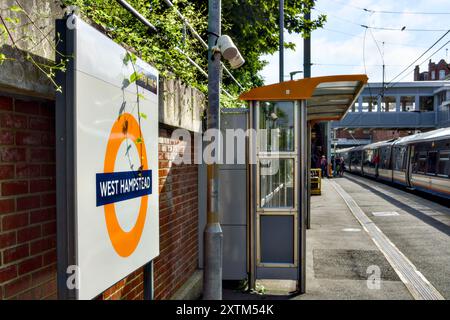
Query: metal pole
[308, 205]
[307, 51]
[303, 205]
[149, 290]
[307, 74]
[213, 237]
[140, 17]
[281, 40]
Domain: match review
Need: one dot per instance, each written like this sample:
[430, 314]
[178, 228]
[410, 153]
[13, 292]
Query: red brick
[29, 202]
[15, 287]
[16, 253]
[14, 221]
[6, 103]
[6, 138]
[6, 172]
[48, 139]
[13, 121]
[28, 138]
[49, 228]
[48, 109]
[48, 199]
[14, 188]
[25, 170]
[43, 275]
[7, 240]
[50, 257]
[29, 265]
[41, 124]
[43, 245]
[12, 154]
[28, 107]
[42, 185]
[42, 215]
[28, 234]
[41, 155]
[6, 206]
[8, 273]
[48, 170]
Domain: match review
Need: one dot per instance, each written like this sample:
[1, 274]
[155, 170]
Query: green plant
[253, 25]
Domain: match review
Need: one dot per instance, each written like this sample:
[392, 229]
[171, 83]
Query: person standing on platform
[324, 166]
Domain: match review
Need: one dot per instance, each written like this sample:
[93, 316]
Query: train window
[432, 162]
[421, 162]
[444, 164]
[384, 158]
[398, 160]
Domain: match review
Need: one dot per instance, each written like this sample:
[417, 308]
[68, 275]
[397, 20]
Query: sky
[338, 47]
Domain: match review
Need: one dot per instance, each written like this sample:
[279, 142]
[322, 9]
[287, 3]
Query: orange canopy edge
[301, 89]
[327, 98]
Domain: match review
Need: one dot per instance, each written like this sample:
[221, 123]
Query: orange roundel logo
[123, 186]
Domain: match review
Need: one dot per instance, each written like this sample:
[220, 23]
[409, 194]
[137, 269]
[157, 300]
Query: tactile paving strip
[417, 284]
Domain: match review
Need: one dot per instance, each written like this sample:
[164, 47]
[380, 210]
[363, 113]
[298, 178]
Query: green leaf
[15, 8]
[12, 20]
[130, 57]
[139, 140]
[134, 77]
[2, 58]
[143, 115]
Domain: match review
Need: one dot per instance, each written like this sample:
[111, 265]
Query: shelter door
[276, 217]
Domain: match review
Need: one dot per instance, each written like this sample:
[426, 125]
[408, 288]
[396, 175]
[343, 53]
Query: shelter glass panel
[276, 124]
[276, 183]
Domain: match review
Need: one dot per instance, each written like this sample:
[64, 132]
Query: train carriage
[420, 161]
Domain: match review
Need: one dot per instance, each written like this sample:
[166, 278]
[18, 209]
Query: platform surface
[342, 252]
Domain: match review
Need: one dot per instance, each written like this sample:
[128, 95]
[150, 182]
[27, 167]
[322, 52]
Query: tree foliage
[253, 24]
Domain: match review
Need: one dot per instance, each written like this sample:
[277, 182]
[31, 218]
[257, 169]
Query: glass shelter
[278, 178]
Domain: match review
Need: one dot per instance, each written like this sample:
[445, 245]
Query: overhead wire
[424, 61]
[424, 53]
[392, 11]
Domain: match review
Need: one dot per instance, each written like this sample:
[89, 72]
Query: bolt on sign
[107, 162]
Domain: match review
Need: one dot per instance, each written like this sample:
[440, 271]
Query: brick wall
[178, 210]
[28, 213]
[382, 135]
[27, 202]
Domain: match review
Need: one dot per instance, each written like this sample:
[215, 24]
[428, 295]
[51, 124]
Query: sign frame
[66, 168]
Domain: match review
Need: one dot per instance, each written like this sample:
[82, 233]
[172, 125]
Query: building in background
[403, 109]
[436, 71]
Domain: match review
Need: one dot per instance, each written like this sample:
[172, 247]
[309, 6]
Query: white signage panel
[116, 161]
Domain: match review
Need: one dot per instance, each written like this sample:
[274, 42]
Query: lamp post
[213, 237]
[281, 40]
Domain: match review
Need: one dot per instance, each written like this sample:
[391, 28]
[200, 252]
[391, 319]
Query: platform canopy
[328, 98]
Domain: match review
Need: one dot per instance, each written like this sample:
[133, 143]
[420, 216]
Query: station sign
[107, 155]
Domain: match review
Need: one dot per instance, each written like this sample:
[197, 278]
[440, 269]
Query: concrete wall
[20, 76]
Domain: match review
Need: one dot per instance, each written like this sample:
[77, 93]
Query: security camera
[230, 52]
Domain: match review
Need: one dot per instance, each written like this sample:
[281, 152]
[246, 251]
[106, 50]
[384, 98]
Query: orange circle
[124, 242]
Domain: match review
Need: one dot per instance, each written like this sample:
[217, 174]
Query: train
[418, 162]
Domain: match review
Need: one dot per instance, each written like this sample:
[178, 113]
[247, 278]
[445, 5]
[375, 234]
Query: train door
[409, 164]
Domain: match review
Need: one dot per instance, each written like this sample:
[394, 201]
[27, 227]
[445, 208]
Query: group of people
[337, 166]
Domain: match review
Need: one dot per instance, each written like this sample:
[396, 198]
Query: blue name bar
[121, 186]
